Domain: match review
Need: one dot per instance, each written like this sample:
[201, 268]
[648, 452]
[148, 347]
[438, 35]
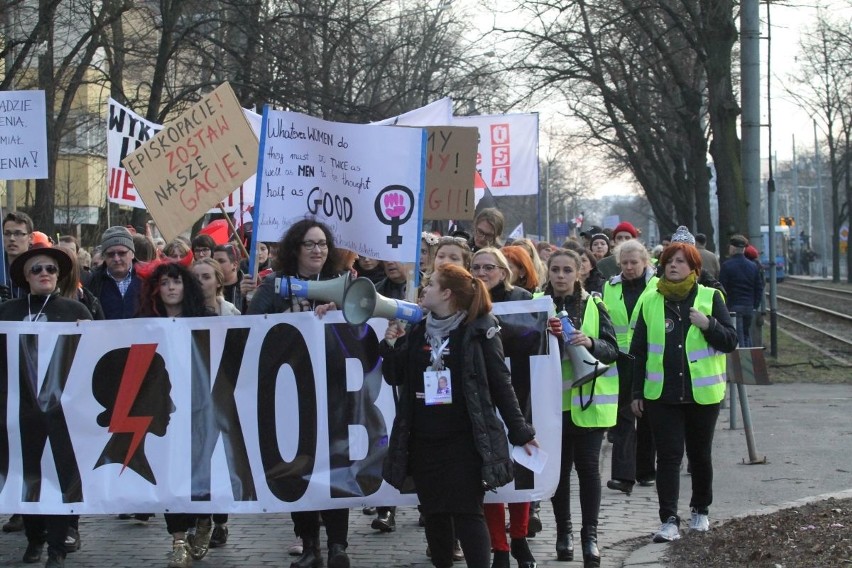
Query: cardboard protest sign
[508, 151]
[194, 162]
[450, 168]
[243, 195]
[126, 131]
[23, 135]
[364, 181]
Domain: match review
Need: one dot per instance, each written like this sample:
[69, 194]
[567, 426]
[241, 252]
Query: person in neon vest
[632, 444]
[586, 411]
[682, 334]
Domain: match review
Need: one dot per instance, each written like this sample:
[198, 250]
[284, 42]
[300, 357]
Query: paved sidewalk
[803, 430]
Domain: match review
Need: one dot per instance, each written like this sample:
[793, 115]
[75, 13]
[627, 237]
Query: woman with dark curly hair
[170, 290]
[307, 252]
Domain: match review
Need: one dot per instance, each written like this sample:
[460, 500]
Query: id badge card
[438, 387]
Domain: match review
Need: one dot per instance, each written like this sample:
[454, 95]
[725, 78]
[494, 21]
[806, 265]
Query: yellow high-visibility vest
[706, 365]
[602, 411]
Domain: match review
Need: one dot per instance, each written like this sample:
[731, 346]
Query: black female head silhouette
[132, 383]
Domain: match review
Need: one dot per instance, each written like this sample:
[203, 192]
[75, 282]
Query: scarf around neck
[676, 291]
[439, 329]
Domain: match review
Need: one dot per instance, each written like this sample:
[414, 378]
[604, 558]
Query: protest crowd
[657, 319]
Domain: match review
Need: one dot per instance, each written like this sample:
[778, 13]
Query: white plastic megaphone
[585, 366]
[325, 290]
[361, 302]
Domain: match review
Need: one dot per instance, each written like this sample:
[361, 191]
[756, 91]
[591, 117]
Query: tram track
[822, 298]
[823, 316]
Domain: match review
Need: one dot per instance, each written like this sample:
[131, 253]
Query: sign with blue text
[364, 181]
[23, 135]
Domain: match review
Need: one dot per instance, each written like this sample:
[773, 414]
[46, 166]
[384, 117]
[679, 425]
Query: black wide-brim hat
[16, 271]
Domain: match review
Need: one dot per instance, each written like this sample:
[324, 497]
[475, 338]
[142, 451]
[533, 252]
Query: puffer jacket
[486, 385]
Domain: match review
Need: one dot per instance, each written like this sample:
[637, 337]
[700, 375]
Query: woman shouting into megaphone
[587, 410]
[307, 253]
[446, 436]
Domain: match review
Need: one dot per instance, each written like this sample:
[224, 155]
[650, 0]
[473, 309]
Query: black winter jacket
[486, 384]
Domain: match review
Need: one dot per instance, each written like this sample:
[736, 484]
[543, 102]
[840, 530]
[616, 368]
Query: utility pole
[797, 242]
[821, 215]
[750, 119]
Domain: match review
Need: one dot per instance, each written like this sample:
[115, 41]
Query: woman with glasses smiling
[491, 267]
[307, 252]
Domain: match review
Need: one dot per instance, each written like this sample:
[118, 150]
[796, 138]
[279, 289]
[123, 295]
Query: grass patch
[798, 362]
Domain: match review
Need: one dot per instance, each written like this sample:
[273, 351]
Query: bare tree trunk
[846, 210]
[45, 192]
[720, 33]
[170, 14]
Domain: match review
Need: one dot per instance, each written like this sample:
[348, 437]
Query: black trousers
[443, 528]
[180, 522]
[48, 528]
[581, 449]
[306, 524]
[678, 426]
[646, 451]
[624, 445]
[633, 449]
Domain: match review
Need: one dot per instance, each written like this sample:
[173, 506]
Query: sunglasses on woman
[50, 268]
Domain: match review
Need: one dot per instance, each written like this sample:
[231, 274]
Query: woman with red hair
[433, 440]
[524, 274]
[682, 333]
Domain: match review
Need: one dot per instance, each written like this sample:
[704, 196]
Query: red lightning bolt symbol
[138, 362]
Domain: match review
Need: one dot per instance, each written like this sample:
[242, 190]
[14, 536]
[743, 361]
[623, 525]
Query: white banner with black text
[243, 414]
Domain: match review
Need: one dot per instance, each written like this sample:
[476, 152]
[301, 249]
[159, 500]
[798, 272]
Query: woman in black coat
[491, 266]
[453, 446]
[307, 252]
[37, 272]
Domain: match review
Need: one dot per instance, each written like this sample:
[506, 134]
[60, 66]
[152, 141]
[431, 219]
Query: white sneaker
[699, 522]
[668, 531]
[295, 549]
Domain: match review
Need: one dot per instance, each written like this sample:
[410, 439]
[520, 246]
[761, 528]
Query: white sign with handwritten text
[23, 135]
[365, 182]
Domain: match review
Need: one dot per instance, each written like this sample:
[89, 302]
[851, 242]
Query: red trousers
[495, 516]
